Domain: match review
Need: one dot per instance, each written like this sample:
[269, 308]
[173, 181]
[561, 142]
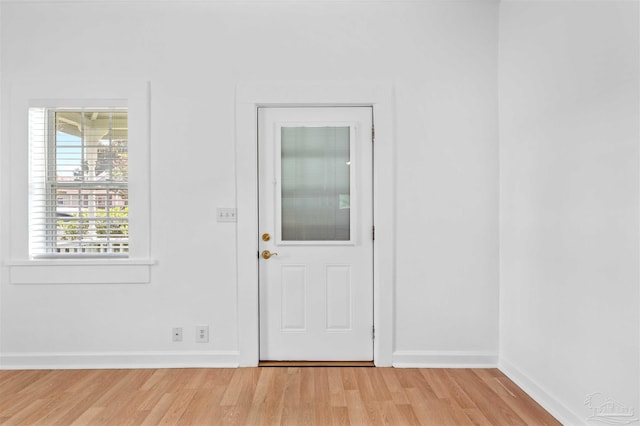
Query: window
[79, 190]
[113, 244]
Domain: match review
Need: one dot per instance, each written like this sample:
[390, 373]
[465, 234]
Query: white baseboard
[111, 360]
[444, 359]
[550, 403]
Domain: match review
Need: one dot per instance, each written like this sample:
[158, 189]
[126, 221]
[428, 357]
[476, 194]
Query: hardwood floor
[266, 396]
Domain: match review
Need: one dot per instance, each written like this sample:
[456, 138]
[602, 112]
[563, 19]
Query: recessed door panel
[293, 298]
[339, 303]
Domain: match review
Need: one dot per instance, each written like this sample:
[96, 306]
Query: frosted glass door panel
[315, 184]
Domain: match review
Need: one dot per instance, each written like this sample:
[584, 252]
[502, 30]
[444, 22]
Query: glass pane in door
[315, 184]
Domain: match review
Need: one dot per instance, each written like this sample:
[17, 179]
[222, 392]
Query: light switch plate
[226, 214]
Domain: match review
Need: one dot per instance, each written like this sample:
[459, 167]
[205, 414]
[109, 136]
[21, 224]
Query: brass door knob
[266, 254]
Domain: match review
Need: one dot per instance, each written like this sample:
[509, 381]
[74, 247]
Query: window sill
[80, 271]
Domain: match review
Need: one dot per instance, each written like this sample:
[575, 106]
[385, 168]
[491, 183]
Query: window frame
[24, 269]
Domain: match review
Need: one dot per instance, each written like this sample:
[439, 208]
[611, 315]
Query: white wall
[446, 202]
[2, 184]
[569, 132]
[441, 58]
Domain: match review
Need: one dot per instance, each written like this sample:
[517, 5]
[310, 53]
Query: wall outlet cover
[176, 334]
[202, 334]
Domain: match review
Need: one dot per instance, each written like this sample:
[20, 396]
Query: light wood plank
[267, 396]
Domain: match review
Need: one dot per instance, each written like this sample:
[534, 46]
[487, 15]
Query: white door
[316, 213]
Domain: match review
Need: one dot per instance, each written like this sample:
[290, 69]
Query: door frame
[251, 96]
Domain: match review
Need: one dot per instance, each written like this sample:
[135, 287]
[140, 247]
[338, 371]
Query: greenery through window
[79, 195]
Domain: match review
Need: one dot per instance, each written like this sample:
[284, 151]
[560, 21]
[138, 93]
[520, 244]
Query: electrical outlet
[176, 334]
[202, 334]
[226, 214]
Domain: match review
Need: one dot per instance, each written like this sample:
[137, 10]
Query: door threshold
[316, 364]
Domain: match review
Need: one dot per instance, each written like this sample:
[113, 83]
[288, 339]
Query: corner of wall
[549, 402]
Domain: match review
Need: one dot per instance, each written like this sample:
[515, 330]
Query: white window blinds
[79, 197]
